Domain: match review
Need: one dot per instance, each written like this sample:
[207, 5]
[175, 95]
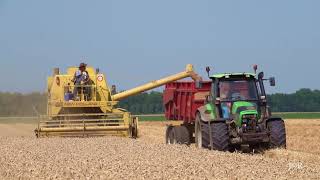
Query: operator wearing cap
[81, 77]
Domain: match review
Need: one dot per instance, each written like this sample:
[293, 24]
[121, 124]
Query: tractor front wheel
[212, 135]
[220, 136]
[277, 134]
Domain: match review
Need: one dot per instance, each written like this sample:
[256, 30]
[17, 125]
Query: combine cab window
[236, 90]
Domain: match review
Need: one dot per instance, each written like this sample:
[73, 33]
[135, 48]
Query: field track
[23, 156]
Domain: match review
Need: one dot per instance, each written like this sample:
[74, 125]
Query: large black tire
[277, 134]
[220, 136]
[178, 135]
[202, 137]
[133, 130]
[168, 136]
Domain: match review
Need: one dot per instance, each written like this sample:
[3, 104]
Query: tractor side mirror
[272, 81]
[208, 70]
[198, 84]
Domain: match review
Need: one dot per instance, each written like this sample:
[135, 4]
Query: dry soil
[22, 156]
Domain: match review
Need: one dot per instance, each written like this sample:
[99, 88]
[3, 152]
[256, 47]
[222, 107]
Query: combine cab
[90, 109]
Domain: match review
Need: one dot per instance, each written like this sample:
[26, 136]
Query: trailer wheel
[201, 134]
[277, 133]
[177, 135]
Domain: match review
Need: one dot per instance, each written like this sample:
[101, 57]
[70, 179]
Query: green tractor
[236, 114]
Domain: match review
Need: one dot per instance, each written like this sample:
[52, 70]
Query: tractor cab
[237, 88]
[238, 94]
[232, 92]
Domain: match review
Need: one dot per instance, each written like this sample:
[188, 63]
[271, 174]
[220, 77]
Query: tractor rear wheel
[277, 134]
[202, 138]
[177, 135]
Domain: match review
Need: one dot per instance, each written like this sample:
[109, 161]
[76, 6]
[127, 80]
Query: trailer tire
[277, 134]
[183, 135]
[178, 135]
[168, 135]
[220, 136]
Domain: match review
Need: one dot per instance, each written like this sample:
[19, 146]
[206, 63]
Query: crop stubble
[25, 157]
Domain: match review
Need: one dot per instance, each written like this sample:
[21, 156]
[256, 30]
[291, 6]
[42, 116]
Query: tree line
[18, 104]
[303, 100]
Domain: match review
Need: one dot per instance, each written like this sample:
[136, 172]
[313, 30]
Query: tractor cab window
[238, 90]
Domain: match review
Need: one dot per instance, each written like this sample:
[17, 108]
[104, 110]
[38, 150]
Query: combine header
[90, 109]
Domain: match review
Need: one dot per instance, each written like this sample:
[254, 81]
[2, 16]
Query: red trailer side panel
[181, 99]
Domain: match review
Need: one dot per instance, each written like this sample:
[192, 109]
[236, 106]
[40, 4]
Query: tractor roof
[228, 75]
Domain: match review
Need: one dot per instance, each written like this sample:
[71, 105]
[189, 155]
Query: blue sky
[134, 42]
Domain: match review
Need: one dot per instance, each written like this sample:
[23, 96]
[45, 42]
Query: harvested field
[25, 157]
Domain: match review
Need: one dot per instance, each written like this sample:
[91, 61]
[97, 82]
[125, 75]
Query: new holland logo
[75, 103]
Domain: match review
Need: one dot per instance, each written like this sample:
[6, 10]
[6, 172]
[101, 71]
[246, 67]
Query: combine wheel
[134, 128]
[177, 135]
[277, 133]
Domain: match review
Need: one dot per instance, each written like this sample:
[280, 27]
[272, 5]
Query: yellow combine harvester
[90, 109]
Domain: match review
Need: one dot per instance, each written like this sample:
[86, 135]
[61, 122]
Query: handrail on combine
[83, 92]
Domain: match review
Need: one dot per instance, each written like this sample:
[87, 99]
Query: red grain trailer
[181, 100]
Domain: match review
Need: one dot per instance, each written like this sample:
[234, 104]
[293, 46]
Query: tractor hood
[243, 110]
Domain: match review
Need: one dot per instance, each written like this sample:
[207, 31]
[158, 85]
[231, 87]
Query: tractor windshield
[238, 90]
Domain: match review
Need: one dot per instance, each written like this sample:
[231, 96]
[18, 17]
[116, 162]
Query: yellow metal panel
[157, 83]
[72, 129]
[96, 115]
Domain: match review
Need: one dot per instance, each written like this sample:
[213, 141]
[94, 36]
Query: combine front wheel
[134, 128]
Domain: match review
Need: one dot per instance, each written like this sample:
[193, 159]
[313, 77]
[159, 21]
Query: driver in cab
[225, 92]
